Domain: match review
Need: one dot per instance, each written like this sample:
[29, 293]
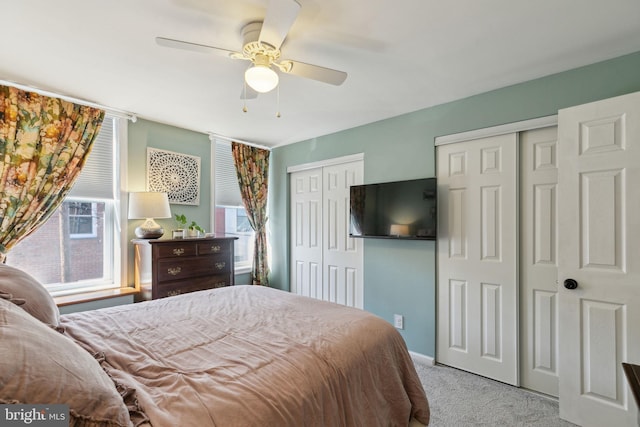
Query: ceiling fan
[261, 46]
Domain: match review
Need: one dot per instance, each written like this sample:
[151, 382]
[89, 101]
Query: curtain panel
[44, 143]
[252, 169]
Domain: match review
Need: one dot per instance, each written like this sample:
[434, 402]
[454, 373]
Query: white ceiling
[400, 56]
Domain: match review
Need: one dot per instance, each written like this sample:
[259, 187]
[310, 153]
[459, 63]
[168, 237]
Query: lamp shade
[261, 78]
[146, 204]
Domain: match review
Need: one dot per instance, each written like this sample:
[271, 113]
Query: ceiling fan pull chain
[278, 101]
[244, 97]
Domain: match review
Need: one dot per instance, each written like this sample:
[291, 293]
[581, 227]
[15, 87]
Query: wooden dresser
[186, 265]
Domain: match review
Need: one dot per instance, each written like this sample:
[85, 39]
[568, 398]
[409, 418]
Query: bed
[235, 356]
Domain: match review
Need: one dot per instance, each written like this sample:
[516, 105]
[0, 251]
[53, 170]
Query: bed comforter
[253, 356]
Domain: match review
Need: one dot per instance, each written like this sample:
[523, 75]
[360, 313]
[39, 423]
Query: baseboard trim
[421, 358]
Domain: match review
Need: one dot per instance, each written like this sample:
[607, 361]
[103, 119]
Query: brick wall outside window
[59, 260]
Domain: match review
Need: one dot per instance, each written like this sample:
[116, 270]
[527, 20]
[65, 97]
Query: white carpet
[458, 398]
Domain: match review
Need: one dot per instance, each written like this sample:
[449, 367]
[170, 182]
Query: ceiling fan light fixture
[261, 78]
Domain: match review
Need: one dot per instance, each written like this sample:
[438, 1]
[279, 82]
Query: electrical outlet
[398, 321]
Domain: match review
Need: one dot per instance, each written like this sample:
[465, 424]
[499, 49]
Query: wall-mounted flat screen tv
[394, 210]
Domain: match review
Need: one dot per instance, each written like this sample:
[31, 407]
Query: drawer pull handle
[178, 251]
[220, 265]
[174, 270]
[174, 293]
[215, 248]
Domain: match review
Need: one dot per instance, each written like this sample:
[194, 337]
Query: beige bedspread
[255, 356]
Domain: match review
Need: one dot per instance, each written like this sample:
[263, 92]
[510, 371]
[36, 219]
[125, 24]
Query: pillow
[37, 300]
[41, 366]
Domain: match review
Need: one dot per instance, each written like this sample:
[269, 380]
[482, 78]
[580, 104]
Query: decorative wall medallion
[174, 173]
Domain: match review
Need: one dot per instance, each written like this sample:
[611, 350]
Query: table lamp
[149, 205]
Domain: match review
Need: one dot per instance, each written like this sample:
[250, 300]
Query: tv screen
[400, 209]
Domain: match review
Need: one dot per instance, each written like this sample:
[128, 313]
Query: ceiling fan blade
[315, 72]
[280, 17]
[195, 47]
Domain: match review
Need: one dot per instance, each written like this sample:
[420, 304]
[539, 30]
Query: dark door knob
[570, 284]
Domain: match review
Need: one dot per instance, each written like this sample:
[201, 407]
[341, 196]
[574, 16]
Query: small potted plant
[192, 230]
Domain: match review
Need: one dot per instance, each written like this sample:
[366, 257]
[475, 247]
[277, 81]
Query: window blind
[226, 181]
[96, 178]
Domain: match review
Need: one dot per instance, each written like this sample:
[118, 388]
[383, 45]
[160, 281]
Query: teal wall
[145, 134]
[399, 276]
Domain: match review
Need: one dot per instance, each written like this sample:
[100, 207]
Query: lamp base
[149, 230]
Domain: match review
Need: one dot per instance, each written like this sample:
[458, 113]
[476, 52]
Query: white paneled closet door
[306, 233]
[477, 257]
[599, 232]
[325, 262]
[342, 255]
[539, 260]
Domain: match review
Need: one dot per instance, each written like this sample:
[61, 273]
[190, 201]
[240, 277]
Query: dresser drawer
[178, 249]
[187, 265]
[169, 269]
[219, 247]
[219, 263]
[168, 289]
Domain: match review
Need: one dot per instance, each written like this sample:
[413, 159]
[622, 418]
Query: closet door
[539, 260]
[342, 255]
[325, 262]
[306, 232]
[599, 234]
[477, 257]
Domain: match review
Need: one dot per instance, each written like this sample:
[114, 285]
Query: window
[230, 215]
[79, 247]
[82, 218]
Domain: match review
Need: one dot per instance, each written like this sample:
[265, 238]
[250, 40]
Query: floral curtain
[252, 167]
[44, 143]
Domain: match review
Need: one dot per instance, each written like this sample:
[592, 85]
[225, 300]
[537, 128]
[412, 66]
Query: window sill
[243, 269]
[78, 298]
